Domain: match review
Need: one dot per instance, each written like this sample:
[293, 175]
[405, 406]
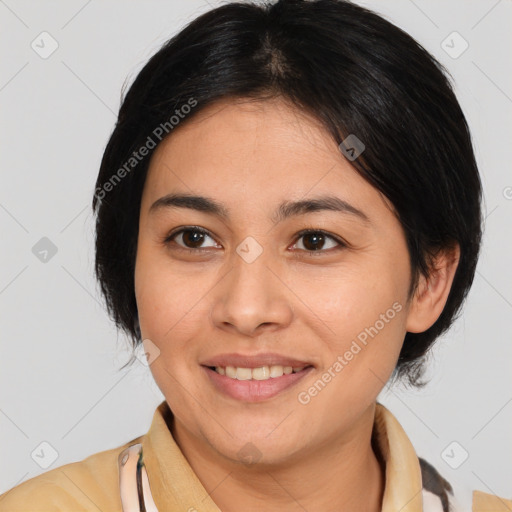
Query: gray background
[60, 354]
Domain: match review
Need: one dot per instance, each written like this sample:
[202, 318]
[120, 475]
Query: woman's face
[241, 287]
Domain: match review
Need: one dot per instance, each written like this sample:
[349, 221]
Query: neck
[336, 477]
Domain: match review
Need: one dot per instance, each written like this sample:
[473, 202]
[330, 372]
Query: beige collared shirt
[152, 469]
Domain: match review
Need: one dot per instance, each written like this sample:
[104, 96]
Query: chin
[253, 444]
[256, 452]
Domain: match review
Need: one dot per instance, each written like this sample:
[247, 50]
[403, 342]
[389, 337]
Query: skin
[192, 306]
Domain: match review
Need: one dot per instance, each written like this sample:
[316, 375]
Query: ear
[432, 293]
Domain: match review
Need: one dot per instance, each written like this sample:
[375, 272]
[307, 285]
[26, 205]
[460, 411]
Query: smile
[255, 384]
[261, 373]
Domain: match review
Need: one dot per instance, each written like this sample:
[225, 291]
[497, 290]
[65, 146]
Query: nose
[252, 298]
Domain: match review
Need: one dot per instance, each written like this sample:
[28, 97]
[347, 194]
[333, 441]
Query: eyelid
[341, 242]
[178, 231]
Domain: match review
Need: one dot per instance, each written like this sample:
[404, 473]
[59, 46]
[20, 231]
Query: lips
[254, 361]
[255, 378]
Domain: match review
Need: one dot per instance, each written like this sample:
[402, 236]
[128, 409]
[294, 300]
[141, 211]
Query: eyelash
[308, 231]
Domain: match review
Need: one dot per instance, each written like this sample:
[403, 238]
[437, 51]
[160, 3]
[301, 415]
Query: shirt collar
[174, 483]
[403, 489]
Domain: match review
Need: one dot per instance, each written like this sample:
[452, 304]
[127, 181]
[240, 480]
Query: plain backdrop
[60, 381]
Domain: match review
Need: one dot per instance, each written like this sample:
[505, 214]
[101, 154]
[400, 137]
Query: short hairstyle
[352, 70]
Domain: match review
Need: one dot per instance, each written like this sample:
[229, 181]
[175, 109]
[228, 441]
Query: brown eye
[318, 241]
[189, 238]
[192, 239]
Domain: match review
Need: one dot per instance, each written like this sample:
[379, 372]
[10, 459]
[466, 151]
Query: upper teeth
[262, 373]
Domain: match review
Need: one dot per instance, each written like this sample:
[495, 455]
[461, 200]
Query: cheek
[172, 304]
[172, 316]
[347, 300]
[363, 312]
[366, 329]
[159, 294]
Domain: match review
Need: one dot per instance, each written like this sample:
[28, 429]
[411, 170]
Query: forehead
[244, 151]
[237, 127]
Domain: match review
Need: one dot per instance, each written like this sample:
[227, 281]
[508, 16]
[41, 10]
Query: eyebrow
[284, 211]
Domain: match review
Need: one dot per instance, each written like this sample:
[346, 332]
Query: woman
[288, 215]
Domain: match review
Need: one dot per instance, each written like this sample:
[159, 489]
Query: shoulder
[439, 495]
[484, 502]
[89, 484]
